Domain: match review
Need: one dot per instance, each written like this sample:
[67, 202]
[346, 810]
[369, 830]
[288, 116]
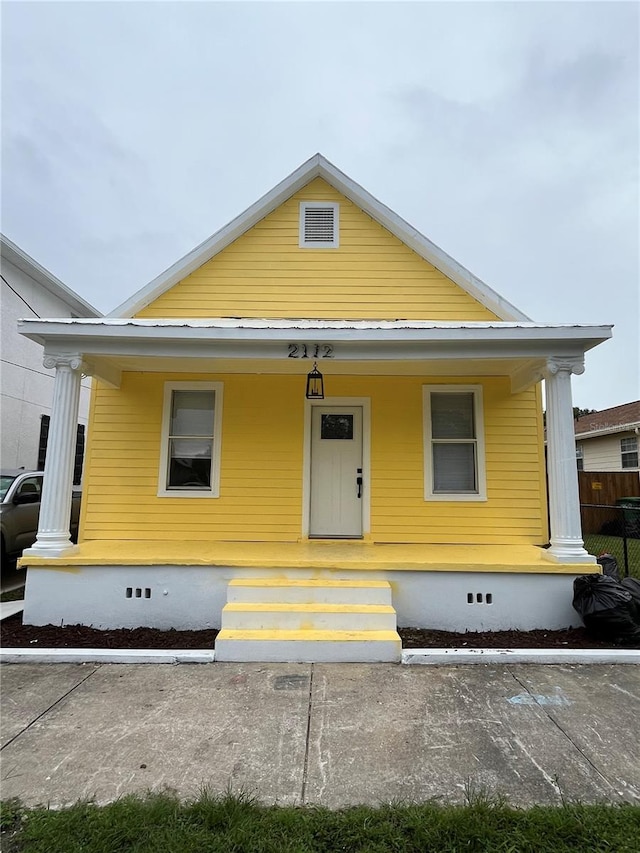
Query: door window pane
[337, 426]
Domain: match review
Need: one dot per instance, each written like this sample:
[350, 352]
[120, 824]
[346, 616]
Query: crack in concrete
[567, 735]
[46, 711]
[305, 768]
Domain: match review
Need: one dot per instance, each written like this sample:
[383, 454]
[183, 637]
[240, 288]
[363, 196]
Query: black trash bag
[609, 566]
[607, 610]
[632, 585]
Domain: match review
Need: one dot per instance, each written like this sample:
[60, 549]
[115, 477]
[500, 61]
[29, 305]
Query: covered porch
[519, 353]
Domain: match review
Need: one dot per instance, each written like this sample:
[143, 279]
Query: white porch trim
[54, 538]
[567, 545]
[110, 346]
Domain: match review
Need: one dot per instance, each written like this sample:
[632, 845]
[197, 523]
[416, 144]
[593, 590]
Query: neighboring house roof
[616, 419]
[319, 167]
[15, 255]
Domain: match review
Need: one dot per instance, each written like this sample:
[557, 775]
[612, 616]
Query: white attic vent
[318, 225]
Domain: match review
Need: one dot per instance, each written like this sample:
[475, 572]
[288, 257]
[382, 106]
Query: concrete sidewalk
[328, 734]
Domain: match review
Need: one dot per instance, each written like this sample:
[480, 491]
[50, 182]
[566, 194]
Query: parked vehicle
[20, 493]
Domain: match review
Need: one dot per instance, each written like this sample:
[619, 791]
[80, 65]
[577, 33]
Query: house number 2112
[310, 351]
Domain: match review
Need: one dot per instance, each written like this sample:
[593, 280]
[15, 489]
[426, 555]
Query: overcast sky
[507, 133]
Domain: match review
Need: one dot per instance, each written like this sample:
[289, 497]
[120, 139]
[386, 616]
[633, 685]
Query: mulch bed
[570, 638]
[14, 635]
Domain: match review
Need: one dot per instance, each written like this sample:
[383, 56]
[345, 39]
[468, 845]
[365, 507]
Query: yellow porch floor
[343, 555]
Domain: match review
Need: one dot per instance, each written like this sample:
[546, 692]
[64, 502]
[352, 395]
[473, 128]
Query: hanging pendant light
[315, 384]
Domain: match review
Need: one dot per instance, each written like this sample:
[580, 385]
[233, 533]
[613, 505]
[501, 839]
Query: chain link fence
[614, 530]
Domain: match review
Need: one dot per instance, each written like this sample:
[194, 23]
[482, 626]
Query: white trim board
[111, 345]
[319, 167]
[216, 451]
[478, 441]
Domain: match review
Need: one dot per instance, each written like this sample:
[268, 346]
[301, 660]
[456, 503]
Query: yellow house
[313, 428]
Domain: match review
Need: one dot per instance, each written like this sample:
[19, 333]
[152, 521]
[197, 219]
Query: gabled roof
[319, 167]
[615, 419]
[16, 256]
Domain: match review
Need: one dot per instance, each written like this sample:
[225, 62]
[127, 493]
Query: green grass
[596, 544]
[160, 823]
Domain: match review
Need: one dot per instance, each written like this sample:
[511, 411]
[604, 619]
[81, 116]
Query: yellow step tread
[303, 607]
[309, 636]
[311, 582]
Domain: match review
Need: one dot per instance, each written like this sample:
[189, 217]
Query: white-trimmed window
[454, 443]
[191, 440]
[319, 225]
[629, 452]
[580, 457]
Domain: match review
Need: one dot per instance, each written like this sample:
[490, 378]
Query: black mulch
[14, 635]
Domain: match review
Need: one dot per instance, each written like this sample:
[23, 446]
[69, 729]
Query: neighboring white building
[29, 290]
[609, 440]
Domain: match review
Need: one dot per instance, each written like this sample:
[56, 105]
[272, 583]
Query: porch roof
[110, 345]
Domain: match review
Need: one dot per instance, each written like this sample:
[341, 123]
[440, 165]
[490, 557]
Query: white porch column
[54, 538]
[567, 545]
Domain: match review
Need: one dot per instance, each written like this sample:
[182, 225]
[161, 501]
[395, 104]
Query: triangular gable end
[319, 167]
[361, 271]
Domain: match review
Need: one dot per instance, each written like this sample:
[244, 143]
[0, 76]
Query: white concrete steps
[277, 619]
[309, 646]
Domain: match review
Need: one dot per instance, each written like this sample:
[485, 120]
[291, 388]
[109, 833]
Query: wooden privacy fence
[599, 493]
[607, 487]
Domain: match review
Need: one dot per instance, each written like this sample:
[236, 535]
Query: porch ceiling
[109, 346]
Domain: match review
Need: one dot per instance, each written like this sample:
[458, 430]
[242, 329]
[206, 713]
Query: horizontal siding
[264, 273]
[262, 464]
[603, 454]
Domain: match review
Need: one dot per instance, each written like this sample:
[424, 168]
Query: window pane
[189, 473]
[31, 486]
[629, 452]
[337, 426]
[192, 413]
[452, 415]
[189, 463]
[5, 484]
[191, 448]
[454, 468]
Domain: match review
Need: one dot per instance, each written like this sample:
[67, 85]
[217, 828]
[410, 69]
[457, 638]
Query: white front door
[336, 472]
